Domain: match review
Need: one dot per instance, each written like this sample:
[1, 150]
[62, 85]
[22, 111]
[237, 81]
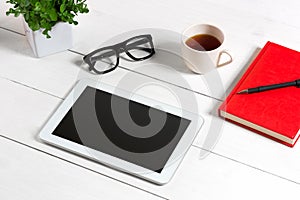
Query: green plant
[44, 14]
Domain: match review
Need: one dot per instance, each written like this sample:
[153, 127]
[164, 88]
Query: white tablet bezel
[158, 178]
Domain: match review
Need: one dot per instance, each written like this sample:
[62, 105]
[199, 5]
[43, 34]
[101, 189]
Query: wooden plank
[285, 13]
[30, 174]
[258, 152]
[219, 178]
[40, 175]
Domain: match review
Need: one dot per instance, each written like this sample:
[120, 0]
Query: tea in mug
[203, 42]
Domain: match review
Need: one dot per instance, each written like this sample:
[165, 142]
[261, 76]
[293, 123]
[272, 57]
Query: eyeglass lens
[104, 60]
[139, 47]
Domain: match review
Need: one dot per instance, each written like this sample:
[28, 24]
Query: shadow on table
[168, 54]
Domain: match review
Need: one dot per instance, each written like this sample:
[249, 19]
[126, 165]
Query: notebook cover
[277, 110]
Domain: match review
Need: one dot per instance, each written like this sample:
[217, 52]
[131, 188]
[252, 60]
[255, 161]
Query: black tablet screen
[122, 128]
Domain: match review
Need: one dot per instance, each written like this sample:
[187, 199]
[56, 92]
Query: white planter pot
[61, 39]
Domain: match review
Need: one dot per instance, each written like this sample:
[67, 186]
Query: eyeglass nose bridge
[123, 49]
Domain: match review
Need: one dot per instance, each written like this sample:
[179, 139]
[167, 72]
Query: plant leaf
[37, 6]
[53, 14]
[62, 8]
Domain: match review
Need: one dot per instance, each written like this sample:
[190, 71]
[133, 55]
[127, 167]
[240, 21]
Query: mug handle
[219, 58]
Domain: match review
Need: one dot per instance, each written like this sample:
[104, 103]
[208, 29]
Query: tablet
[131, 133]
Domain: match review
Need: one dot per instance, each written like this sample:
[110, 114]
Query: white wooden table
[236, 164]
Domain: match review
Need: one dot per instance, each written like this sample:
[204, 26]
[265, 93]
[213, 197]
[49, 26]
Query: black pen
[270, 87]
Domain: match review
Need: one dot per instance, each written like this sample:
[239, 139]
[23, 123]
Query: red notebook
[274, 113]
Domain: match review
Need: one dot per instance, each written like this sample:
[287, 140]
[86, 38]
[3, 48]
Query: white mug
[202, 61]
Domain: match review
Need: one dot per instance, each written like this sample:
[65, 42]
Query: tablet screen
[128, 130]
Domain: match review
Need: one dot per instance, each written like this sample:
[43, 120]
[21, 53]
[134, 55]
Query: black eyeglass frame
[118, 49]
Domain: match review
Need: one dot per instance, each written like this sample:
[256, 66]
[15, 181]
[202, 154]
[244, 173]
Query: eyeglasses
[106, 59]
